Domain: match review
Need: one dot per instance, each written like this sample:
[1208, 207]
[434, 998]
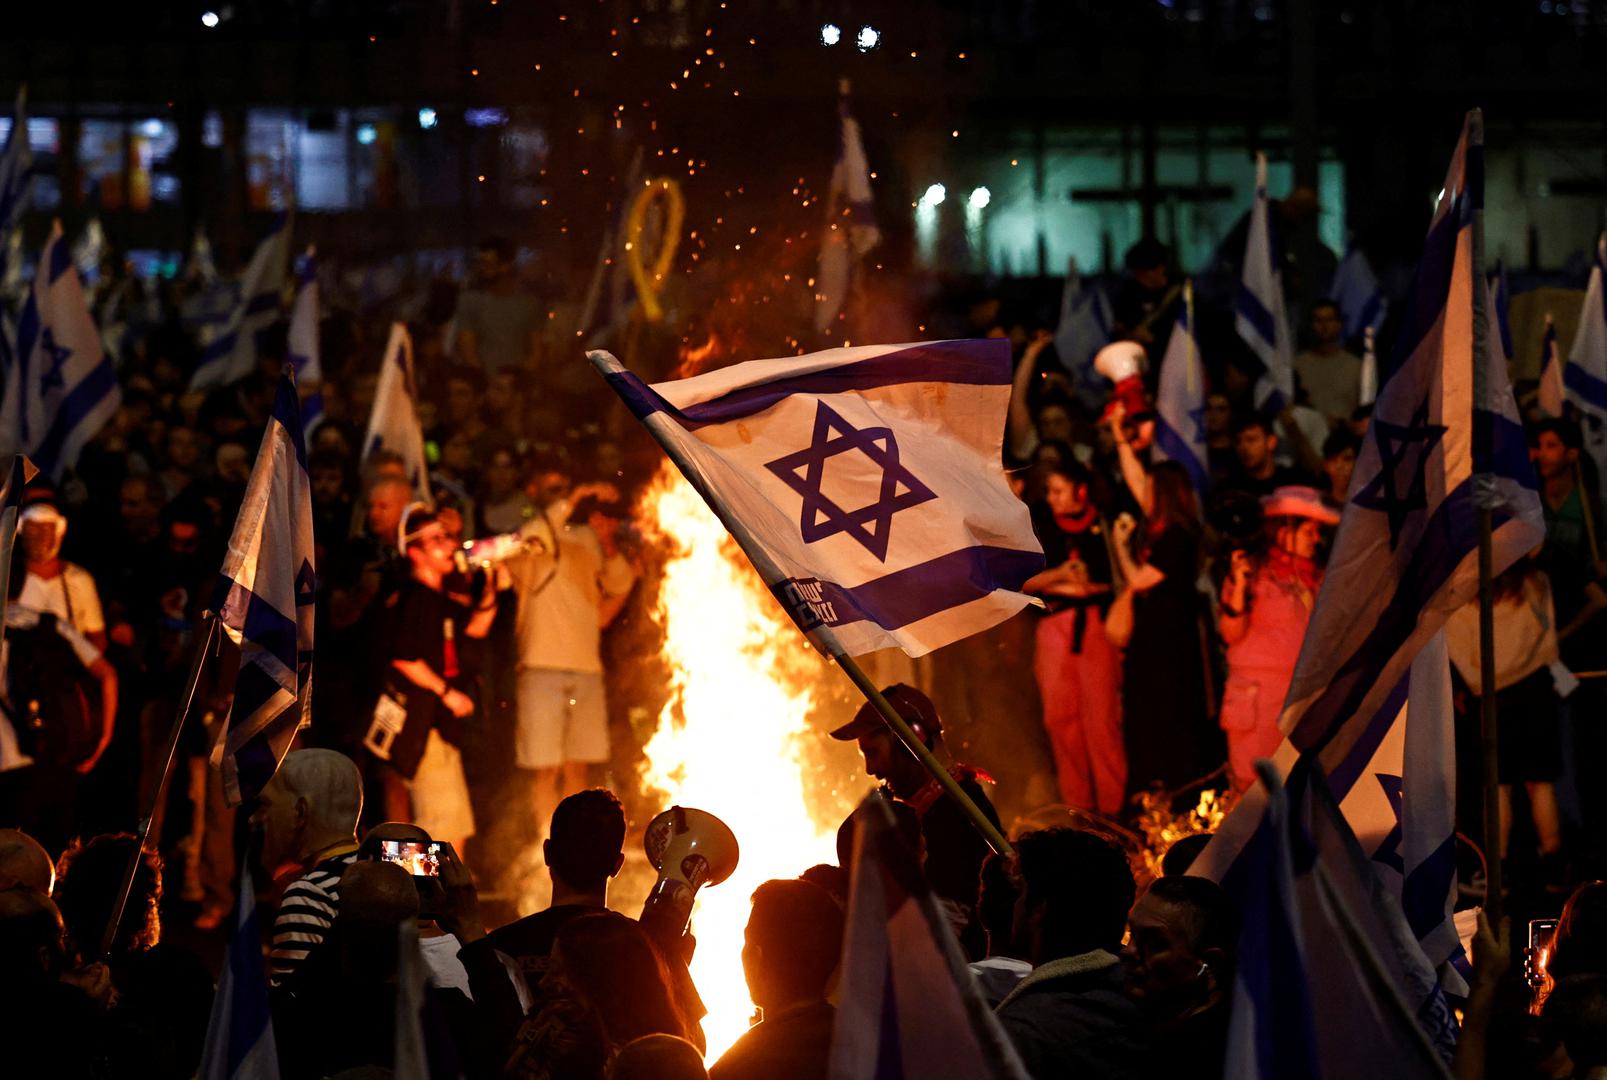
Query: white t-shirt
[441, 961]
[71, 596]
[560, 594]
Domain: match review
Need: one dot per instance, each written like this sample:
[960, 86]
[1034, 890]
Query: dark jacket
[795, 1044]
[1069, 1018]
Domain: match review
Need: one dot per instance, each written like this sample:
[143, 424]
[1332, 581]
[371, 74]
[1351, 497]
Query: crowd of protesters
[468, 702]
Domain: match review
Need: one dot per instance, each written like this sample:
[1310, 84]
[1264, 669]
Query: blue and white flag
[1180, 405]
[909, 1008]
[16, 167]
[60, 388]
[1356, 290]
[850, 230]
[1585, 375]
[1258, 308]
[393, 424]
[864, 484]
[239, 1035]
[1445, 439]
[1083, 329]
[265, 605]
[303, 343]
[1318, 990]
[1553, 389]
[229, 349]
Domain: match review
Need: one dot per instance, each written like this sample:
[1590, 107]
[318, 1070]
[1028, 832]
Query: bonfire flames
[734, 735]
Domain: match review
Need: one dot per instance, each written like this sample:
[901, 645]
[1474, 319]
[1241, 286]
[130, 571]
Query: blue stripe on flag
[1587, 387]
[61, 260]
[916, 592]
[220, 347]
[91, 390]
[1500, 448]
[1347, 772]
[287, 410]
[1425, 303]
[1249, 305]
[1448, 536]
[969, 363]
[258, 621]
[1426, 887]
[250, 1018]
[1176, 449]
[262, 302]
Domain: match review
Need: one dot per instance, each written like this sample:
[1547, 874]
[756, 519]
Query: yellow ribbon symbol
[648, 282]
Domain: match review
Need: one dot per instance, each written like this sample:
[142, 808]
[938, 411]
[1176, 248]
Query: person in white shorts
[570, 583]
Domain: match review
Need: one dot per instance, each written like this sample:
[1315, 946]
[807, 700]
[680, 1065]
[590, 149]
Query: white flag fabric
[1367, 393]
[1320, 987]
[60, 387]
[1180, 405]
[393, 424]
[264, 603]
[303, 342]
[1586, 373]
[1258, 308]
[864, 484]
[1356, 290]
[1553, 388]
[909, 1008]
[239, 1034]
[229, 348]
[850, 229]
[1444, 439]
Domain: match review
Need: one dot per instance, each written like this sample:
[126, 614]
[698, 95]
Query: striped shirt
[305, 916]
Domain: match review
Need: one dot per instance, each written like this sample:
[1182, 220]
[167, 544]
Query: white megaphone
[1122, 362]
[689, 849]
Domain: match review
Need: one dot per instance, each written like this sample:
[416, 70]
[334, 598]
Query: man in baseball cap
[954, 848]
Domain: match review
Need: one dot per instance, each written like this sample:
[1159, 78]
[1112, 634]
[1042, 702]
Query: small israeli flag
[1258, 308]
[850, 230]
[265, 605]
[303, 342]
[239, 1035]
[1585, 375]
[393, 425]
[60, 388]
[229, 348]
[1180, 405]
[1553, 389]
[1356, 290]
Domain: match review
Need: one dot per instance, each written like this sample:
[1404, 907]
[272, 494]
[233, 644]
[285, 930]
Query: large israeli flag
[239, 1034]
[265, 606]
[850, 229]
[1180, 405]
[1356, 290]
[1585, 375]
[864, 484]
[229, 348]
[1445, 440]
[60, 388]
[1258, 308]
[393, 424]
[303, 342]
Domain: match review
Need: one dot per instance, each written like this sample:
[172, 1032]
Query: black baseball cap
[915, 707]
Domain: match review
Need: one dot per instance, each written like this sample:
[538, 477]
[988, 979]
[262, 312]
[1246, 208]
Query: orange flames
[729, 740]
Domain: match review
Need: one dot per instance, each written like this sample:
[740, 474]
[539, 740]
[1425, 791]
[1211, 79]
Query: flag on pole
[239, 1035]
[864, 484]
[1368, 392]
[229, 349]
[1445, 439]
[1552, 388]
[1083, 329]
[393, 424]
[850, 230]
[60, 388]
[1356, 290]
[265, 605]
[1180, 405]
[16, 166]
[1585, 375]
[1317, 991]
[1258, 309]
[303, 342]
[909, 1007]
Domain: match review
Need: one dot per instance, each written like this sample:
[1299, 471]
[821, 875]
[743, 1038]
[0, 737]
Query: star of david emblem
[805, 473]
[1410, 445]
[52, 378]
[1389, 852]
[1196, 419]
[306, 584]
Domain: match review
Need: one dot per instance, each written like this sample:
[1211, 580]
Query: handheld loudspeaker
[1122, 362]
[689, 849]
